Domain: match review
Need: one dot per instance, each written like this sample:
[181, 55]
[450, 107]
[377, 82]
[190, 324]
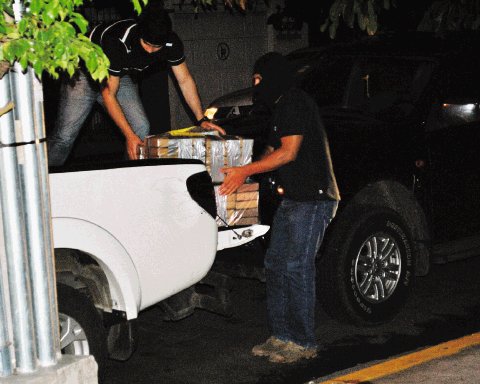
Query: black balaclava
[277, 77]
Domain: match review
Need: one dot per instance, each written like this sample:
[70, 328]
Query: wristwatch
[204, 118]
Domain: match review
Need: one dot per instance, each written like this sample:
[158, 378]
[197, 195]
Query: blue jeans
[297, 232]
[77, 98]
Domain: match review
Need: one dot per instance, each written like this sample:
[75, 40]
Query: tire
[81, 328]
[367, 269]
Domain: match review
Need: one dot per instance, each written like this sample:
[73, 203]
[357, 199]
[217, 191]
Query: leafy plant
[363, 12]
[451, 15]
[241, 5]
[49, 36]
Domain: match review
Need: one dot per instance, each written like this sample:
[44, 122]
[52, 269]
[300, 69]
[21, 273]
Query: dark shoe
[271, 345]
[291, 353]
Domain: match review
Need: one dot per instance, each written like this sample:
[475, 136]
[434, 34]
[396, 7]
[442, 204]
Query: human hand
[234, 178]
[212, 127]
[132, 143]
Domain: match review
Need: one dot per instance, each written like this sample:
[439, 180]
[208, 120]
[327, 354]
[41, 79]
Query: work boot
[291, 353]
[272, 344]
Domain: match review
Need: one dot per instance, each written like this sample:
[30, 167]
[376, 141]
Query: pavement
[209, 349]
[70, 369]
[455, 361]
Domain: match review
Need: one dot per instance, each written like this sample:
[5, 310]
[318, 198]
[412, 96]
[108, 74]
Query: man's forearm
[270, 161]
[115, 111]
[109, 95]
[190, 93]
[236, 176]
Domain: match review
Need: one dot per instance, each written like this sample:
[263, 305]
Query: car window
[327, 80]
[459, 82]
[387, 87]
[453, 115]
[458, 102]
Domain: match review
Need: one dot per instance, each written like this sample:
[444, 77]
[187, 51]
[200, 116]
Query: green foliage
[137, 5]
[241, 5]
[364, 12]
[451, 15]
[50, 37]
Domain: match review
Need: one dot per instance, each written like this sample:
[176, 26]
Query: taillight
[200, 187]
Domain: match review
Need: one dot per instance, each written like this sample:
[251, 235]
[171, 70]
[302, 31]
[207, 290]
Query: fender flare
[110, 255]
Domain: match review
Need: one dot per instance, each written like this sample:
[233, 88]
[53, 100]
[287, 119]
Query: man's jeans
[76, 101]
[297, 233]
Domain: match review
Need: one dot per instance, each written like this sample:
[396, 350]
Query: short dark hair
[154, 23]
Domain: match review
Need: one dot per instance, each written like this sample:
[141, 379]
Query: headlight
[210, 112]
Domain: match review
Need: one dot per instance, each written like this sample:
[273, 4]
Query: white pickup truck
[127, 236]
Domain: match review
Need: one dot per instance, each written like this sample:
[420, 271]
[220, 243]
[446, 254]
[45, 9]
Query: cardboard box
[239, 208]
[215, 151]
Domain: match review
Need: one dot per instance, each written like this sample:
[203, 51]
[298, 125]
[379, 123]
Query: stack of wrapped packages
[239, 208]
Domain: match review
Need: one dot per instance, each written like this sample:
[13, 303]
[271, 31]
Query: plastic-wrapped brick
[239, 208]
[216, 152]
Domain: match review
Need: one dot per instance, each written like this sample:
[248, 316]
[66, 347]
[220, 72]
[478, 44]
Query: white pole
[30, 136]
[40, 134]
[6, 344]
[15, 240]
[40, 269]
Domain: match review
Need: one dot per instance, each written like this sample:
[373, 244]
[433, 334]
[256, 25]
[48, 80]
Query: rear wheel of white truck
[81, 328]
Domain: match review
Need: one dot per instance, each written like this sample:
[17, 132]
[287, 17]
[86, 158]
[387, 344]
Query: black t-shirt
[310, 176]
[121, 44]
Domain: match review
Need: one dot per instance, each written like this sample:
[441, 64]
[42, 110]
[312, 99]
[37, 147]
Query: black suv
[403, 119]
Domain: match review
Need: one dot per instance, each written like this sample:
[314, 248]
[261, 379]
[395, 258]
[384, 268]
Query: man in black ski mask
[298, 150]
[272, 76]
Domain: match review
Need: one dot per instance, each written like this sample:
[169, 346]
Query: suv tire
[367, 269]
[81, 328]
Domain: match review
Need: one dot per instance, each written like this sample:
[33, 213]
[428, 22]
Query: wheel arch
[394, 195]
[88, 256]
[80, 271]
